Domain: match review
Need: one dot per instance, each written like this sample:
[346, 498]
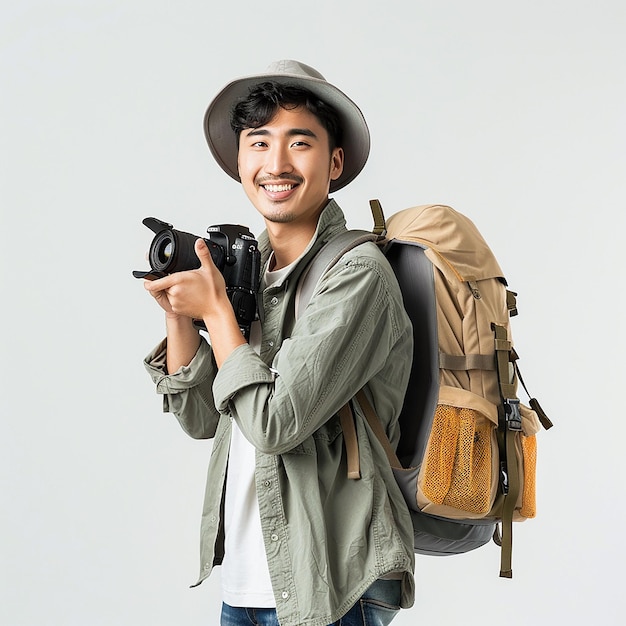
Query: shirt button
[274, 301]
[268, 483]
[270, 344]
[284, 595]
[274, 537]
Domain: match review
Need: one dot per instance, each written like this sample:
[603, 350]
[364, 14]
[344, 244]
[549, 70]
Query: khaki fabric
[459, 255]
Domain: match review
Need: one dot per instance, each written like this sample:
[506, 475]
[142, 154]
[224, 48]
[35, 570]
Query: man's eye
[299, 144]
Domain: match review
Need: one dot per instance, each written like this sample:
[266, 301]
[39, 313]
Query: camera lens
[173, 251]
[164, 253]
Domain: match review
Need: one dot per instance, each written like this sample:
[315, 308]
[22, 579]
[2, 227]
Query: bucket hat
[221, 139]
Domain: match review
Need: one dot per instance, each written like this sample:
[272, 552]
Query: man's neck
[290, 239]
[288, 243]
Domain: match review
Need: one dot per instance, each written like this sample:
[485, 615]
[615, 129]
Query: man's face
[286, 166]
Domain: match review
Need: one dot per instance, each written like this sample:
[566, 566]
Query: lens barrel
[173, 251]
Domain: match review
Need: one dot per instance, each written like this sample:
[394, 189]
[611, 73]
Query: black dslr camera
[234, 251]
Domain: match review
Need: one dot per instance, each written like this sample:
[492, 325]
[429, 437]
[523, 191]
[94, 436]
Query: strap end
[380, 227]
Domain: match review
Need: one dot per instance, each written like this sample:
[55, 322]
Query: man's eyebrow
[307, 132]
[292, 132]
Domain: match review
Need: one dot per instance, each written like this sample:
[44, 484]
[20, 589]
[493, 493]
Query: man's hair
[264, 100]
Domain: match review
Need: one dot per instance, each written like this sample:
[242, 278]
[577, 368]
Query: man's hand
[196, 293]
[199, 294]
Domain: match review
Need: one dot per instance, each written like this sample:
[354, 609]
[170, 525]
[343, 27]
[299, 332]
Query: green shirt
[327, 537]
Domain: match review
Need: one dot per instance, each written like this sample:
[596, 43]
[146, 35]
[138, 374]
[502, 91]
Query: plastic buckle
[512, 415]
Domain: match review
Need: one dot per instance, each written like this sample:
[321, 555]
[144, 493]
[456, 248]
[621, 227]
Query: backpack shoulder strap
[378, 430]
[325, 259]
[334, 249]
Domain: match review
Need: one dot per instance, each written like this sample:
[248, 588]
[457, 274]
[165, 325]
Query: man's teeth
[277, 188]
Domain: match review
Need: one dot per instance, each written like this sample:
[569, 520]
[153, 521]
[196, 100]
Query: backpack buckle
[512, 415]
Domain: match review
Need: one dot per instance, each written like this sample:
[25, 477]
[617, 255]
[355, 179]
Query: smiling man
[286, 167]
[298, 540]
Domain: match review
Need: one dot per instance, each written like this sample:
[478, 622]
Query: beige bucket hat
[221, 140]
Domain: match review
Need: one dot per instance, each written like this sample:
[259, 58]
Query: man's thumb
[202, 251]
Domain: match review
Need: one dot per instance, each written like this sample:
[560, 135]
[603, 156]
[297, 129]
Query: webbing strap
[466, 362]
[350, 440]
[377, 427]
[508, 506]
[380, 228]
[503, 351]
[510, 424]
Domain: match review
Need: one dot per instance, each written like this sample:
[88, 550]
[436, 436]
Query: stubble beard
[279, 216]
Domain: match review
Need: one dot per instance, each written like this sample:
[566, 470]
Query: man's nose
[278, 161]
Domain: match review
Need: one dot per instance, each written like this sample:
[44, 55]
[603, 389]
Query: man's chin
[278, 217]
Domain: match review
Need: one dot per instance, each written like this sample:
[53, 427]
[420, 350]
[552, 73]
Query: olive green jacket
[327, 537]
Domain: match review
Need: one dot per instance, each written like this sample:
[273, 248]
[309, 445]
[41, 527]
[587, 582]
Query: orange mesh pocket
[458, 463]
[529, 452]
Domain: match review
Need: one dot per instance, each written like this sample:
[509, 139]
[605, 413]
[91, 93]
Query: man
[299, 542]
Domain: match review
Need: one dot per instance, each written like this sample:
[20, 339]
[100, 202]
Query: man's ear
[336, 163]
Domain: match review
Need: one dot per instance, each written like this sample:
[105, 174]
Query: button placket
[272, 315]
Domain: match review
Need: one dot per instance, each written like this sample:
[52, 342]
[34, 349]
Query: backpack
[466, 458]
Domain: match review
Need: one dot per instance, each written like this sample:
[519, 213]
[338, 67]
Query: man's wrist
[175, 318]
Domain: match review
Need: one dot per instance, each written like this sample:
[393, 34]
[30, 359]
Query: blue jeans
[376, 607]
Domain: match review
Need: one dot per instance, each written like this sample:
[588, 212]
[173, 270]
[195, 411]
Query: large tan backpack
[467, 454]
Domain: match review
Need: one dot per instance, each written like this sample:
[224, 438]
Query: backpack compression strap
[510, 424]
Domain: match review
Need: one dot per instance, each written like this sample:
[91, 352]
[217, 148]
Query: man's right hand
[183, 338]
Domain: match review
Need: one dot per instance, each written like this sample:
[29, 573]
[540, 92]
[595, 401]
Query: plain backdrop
[513, 113]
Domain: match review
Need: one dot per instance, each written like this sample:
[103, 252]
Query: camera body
[234, 250]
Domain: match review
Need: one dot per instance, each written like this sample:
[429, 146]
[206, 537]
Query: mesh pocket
[458, 463]
[529, 452]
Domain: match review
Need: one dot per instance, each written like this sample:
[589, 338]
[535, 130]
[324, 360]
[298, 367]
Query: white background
[514, 113]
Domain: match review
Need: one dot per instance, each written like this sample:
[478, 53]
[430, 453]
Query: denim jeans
[376, 607]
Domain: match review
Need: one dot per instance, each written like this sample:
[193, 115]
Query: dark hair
[264, 99]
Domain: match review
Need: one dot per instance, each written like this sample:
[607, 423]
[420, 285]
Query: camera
[234, 250]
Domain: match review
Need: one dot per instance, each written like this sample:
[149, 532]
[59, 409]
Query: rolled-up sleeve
[187, 393]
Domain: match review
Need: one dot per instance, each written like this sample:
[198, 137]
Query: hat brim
[223, 144]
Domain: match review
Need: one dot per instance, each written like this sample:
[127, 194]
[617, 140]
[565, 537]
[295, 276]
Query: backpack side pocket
[526, 447]
[459, 474]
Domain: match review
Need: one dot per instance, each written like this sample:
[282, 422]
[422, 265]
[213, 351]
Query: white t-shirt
[245, 574]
